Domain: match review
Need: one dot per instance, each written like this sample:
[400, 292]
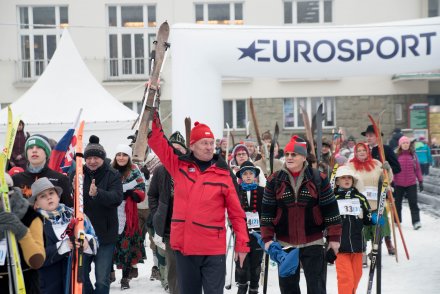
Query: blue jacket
[423, 153]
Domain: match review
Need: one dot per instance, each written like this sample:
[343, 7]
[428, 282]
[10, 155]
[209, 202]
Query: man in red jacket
[203, 188]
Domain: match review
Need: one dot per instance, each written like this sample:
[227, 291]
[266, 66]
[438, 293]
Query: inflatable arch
[203, 54]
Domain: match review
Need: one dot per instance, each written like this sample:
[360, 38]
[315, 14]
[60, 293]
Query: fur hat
[39, 141]
[266, 135]
[200, 131]
[177, 138]
[41, 185]
[326, 142]
[247, 165]
[296, 145]
[94, 148]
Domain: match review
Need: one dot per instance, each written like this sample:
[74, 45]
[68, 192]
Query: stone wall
[351, 114]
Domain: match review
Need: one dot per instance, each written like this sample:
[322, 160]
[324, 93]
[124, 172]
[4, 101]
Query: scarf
[249, 187]
[61, 215]
[368, 164]
[131, 213]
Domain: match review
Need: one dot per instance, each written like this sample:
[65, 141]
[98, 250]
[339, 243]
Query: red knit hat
[200, 131]
[297, 146]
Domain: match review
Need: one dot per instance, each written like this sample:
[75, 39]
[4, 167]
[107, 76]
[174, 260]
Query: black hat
[247, 165]
[94, 148]
[370, 129]
[177, 138]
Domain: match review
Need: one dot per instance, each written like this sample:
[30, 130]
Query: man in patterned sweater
[298, 206]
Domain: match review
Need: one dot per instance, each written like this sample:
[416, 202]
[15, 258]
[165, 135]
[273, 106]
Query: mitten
[10, 222]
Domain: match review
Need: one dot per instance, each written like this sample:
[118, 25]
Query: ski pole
[228, 286]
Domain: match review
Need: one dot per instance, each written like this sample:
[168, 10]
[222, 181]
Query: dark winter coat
[18, 149]
[352, 238]
[53, 273]
[25, 180]
[394, 141]
[160, 201]
[200, 200]
[250, 206]
[390, 156]
[299, 218]
[102, 209]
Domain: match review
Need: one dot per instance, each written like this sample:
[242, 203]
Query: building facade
[115, 39]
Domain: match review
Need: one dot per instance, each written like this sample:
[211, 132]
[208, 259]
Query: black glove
[132, 194]
[128, 193]
[420, 186]
[10, 222]
[146, 172]
[331, 256]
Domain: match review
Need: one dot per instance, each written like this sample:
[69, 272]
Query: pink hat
[403, 139]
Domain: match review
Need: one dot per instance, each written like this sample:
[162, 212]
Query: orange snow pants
[349, 272]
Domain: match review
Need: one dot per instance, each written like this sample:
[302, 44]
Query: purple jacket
[410, 170]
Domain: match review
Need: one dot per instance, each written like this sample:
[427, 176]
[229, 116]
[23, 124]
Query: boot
[155, 273]
[125, 283]
[134, 273]
[253, 290]
[390, 247]
[112, 277]
[242, 288]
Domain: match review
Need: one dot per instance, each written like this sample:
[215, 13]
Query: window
[219, 13]
[40, 28]
[398, 112]
[292, 113]
[434, 8]
[134, 105]
[307, 11]
[234, 114]
[130, 40]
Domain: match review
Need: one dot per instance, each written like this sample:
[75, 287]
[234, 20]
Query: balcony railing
[28, 70]
[127, 68]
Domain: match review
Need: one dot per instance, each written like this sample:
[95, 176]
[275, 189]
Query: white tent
[52, 104]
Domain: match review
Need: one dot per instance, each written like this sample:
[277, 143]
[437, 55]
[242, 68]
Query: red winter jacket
[200, 200]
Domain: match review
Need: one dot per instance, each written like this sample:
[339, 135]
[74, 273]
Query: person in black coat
[160, 201]
[251, 197]
[37, 152]
[102, 192]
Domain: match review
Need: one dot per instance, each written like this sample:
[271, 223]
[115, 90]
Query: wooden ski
[151, 103]
[308, 131]
[187, 130]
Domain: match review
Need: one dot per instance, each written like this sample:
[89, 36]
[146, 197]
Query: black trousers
[313, 262]
[195, 272]
[250, 272]
[410, 193]
[425, 168]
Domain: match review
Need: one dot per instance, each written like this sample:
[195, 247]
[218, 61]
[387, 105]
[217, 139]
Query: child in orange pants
[355, 213]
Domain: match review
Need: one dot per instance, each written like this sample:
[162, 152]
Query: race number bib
[349, 206]
[252, 220]
[370, 193]
[3, 251]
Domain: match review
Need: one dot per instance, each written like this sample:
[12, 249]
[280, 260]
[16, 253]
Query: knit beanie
[296, 145]
[237, 148]
[200, 131]
[403, 139]
[39, 141]
[94, 148]
[123, 148]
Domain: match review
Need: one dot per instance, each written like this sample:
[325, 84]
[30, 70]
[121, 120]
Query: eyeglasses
[242, 154]
[293, 155]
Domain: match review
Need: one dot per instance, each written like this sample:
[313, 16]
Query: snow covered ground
[420, 274]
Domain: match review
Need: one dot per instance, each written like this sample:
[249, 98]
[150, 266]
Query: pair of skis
[151, 101]
[15, 272]
[381, 206]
